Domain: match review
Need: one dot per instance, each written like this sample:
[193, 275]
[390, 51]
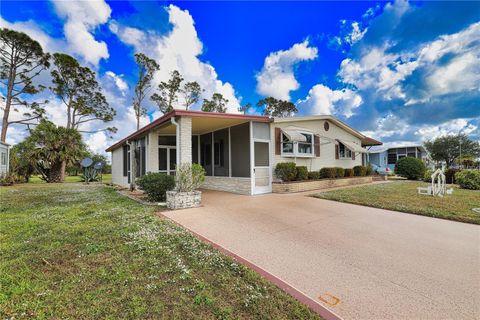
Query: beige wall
[117, 168]
[229, 184]
[327, 147]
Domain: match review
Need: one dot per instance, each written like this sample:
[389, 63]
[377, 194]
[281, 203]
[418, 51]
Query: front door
[167, 159]
[262, 179]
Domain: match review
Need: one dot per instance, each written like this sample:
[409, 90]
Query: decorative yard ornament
[438, 187]
[90, 172]
[98, 167]
[87, 162]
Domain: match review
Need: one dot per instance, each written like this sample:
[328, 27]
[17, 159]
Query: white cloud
[375, 69]
[350, 33]
[97, 142]
[277, 77]
[389, 126]
[178, 50]
[82, 17]
[119, 82]
[456, 126]
[323, 100]
[29, 27]
[461, 73]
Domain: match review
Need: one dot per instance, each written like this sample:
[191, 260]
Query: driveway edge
[289, 289]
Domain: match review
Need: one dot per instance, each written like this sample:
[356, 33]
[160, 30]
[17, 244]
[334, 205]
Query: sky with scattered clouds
[400, 72]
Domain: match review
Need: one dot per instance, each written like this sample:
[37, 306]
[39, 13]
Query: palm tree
[53, 148]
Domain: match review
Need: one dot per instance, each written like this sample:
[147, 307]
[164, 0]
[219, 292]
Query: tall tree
[22, 59]
[191, 93]
[146, 69]
[450, 147]
[217, 104]
[277, 108]
[79, 90]
[54, 147]
[166, 96]
[245, 108]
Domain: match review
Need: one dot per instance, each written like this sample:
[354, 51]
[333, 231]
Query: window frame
[345, 150]
[295, 152]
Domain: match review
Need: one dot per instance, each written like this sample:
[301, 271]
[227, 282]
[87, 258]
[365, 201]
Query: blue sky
[398, 71]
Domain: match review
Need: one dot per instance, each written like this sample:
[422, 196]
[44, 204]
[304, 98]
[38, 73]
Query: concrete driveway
[379, 264]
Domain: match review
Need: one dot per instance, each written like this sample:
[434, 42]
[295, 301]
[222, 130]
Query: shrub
[369, 170]
[410, 168]
[314, 175]
[359, 171]
[450, 175]
[427, 176]
[340, 172]
[468, 179]
[348, 173]
[286, 171]
[155, 185]
[302, 173]
[10, 179]
[327, 172]
[189, 177]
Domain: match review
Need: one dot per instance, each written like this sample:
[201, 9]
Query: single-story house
[387, 157]
[4, 158]
[238, 152]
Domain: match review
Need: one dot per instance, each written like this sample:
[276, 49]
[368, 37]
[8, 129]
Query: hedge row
[288, 171]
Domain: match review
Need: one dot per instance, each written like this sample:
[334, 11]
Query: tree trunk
[62, 170]
[6, 113]
[55, 174]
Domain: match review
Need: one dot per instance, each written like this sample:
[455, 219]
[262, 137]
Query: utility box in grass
[183, 200]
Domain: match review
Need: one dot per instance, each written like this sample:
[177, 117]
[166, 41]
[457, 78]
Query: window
[218, 152]
[167, 141]
[4, 159]
[344, 152]
[307, 146]
[392, 158]
[304, 148]
[287, 146]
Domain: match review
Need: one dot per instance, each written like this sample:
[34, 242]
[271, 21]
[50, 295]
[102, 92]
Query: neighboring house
[387, 158]
[238, 152]
[4, 158]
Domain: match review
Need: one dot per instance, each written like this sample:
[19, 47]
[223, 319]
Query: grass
[85, 252]
[106, 178]
[402, 196]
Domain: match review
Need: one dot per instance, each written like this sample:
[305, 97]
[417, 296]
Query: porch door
[167, 159]
[262, 173]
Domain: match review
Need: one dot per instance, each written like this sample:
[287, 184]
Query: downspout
[177, 140]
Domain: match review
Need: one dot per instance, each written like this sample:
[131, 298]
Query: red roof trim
[371, 142]
[197, 114]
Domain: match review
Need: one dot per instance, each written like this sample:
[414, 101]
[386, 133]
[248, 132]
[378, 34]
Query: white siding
[4, 152]
[327, 146]
[117, 168]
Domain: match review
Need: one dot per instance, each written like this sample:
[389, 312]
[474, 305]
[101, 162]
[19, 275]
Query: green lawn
[85, 252]
[402, 196]
[106, 178]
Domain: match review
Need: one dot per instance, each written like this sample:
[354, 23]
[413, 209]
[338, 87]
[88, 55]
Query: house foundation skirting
[299, 186]
[229, 184]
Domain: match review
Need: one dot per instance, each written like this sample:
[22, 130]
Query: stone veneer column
[152, 150]
[185, 140]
